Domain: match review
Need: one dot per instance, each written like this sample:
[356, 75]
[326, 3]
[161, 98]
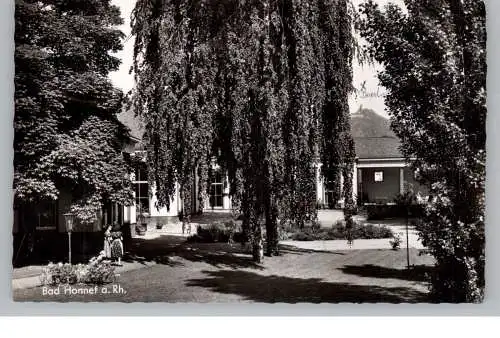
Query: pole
[69, 246]
[407, 243]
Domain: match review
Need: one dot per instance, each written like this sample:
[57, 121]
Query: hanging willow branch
[259, 85]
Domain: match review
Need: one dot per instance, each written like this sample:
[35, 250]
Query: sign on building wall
[379, 176]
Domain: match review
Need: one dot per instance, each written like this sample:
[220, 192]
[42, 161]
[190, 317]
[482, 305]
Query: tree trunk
[258, 250]
[272, 238]
[348, 201]
[257, 241]
[245, 225]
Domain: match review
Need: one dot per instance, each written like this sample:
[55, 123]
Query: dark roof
[134, 123]
[373, 137]
[377, 147]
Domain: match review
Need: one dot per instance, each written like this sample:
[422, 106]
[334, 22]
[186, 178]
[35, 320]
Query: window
[140, 180]
[141, 172]
[216, 189]
[379, 176]
[112, 213]
[46, 213]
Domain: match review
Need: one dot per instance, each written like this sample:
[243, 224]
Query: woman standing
[117, 244]
[107, 242]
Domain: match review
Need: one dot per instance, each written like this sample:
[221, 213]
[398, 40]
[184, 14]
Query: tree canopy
[67, 135]
[434, 58]
[260, 85]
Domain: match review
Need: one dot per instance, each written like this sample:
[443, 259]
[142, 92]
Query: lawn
[219, 272]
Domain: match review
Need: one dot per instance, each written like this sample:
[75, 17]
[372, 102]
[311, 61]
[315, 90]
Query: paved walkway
[329, 217]
[358, 244]
[175, 228]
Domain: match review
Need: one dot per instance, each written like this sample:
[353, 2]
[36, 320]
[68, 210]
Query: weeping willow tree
[260, 85]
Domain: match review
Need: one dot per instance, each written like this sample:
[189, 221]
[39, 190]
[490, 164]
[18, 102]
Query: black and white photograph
[249, 151]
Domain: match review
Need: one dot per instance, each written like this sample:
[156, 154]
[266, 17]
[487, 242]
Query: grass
[219, 272]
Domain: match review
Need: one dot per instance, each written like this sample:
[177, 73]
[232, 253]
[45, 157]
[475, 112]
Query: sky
[121, 78]
[364, 77]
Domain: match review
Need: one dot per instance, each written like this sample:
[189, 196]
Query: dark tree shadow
[280, 289]
[161, 250]
[158, 250]
[418, 273]
[290, 249]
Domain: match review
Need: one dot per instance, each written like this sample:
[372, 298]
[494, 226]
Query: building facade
[381, 171]
[380, 174]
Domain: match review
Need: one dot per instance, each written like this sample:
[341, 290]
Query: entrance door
[216, 189]
[330, 195]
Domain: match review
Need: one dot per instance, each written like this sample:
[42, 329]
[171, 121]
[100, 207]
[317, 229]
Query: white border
[489, 307]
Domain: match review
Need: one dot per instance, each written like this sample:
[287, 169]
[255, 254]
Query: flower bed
[97, 271]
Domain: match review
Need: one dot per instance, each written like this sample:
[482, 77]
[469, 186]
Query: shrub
[370, 231]
[384, 211]
[395, 242]
[214, 233]
[55, 274]
[218, 232]
[99, 272]
[406, 205]
[338, 231]
[96, 271]
[306, 235]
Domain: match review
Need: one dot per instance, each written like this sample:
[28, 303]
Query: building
[218, 197]
[39, 231]
[380, 172]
